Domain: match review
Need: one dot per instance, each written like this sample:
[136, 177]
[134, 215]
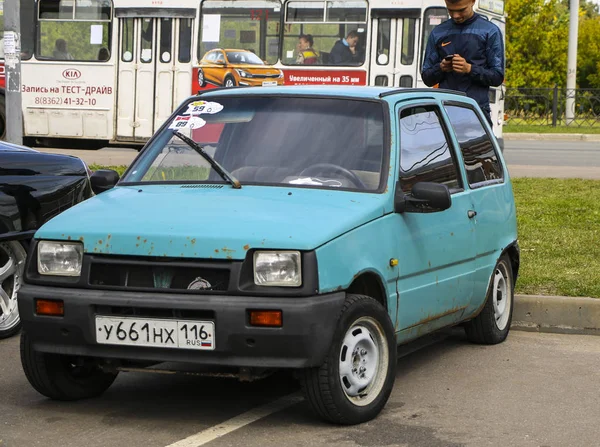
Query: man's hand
[446, 66]
[460, 65]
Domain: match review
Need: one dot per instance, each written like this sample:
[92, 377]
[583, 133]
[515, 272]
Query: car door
[437, 249]
[491, 195]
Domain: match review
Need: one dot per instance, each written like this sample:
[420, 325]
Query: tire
[229, 81]
[492, 324]
[62, 377]
[12, 265]
[201, 78]
[2, 117]
[337, 391]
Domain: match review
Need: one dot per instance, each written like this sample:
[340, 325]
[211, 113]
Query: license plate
[265, 83]
[179, 334]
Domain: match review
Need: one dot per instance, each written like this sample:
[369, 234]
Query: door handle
[471, 214]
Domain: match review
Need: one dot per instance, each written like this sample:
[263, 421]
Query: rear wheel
[12, 264]
[63, 377]
[356, 379]
[492, 324]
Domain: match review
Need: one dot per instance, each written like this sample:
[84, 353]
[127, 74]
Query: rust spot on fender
[246, 247]
[81, 238]
[100, 242]
[139, 237]
[193, 241]
[216, 250]
[431, 318]
[69, 238]
[145, 240]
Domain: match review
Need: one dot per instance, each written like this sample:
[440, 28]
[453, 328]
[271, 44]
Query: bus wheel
[2, 117]
[229, 81]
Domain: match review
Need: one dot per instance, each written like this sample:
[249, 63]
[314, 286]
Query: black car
[34, 187]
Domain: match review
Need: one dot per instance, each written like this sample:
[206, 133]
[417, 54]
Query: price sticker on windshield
[187, 122]
[203, 107]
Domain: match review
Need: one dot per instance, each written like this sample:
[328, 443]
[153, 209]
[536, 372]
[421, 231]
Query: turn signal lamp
[266, 318]
[50, 308]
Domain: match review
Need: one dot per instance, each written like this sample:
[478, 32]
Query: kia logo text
[71, 73]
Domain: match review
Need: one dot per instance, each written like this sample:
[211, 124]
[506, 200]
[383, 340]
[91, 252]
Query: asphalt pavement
[532, 390]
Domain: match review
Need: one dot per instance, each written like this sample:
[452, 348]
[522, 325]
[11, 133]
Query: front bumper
[304, 340]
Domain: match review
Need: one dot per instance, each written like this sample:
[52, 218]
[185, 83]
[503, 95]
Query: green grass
[531, 128]
[559, 234]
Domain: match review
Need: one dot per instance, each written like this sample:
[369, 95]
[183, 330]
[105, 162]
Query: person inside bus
[346, 51]
[103, 54]
[466, 54]
[306, 54]
[60, 50]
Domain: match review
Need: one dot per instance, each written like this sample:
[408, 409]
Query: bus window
[27, 12]
[408, 41]
[147, 34]
[327, 22]
[383, 43]
[74, 30]
[127, 40]
[432, 18]
[185, 41]
[166, 36]
[251, 26]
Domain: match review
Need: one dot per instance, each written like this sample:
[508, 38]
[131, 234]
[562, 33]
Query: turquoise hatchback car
[306, 228]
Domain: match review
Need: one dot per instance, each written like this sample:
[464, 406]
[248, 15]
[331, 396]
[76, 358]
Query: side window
[480, 157]
[220, 57]
[425, 154]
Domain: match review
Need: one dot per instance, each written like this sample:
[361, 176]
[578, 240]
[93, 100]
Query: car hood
[257, 69]
[211, 221]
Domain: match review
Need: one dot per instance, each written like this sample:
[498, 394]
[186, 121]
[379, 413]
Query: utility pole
[12, 66]
[572, 61]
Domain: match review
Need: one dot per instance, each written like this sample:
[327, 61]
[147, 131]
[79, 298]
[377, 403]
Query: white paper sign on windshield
[203, 107]
[187, 122]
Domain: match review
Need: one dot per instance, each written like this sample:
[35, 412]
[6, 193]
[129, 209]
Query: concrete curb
[551, 136]
[557, 314]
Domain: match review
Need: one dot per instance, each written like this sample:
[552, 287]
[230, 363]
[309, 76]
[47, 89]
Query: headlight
[243, 73]
[277, 268]
[60, 258]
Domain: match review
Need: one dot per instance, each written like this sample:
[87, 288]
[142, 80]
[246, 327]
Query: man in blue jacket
[466, 54]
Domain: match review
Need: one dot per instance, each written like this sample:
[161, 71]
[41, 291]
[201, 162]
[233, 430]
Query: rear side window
[425, 154]
[481, 160]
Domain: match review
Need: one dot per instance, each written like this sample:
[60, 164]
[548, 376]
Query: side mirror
[103, 180]
[425, 197]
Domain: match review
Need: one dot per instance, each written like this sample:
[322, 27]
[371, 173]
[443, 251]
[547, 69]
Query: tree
[538, 39]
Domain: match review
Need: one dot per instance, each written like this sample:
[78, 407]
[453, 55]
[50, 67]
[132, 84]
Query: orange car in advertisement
[228, 68]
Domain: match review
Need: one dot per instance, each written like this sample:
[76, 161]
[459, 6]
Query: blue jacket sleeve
[432, 73]
[493, 74]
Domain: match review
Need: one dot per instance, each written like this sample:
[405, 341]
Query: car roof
[365, 92]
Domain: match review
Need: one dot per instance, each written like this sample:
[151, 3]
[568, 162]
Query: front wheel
[356, 379]
[229, 82]
[62, 377]
[12, 264]
[492, 324]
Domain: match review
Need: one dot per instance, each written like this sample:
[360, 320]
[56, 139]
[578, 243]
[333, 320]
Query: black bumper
[303, 341]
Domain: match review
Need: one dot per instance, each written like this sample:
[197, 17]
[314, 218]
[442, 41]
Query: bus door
[155, 71]
[395, 47]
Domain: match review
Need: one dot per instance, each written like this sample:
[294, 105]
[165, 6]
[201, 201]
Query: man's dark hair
[352, 33]
[308, 38]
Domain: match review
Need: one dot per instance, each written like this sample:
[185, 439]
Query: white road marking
[237, 422]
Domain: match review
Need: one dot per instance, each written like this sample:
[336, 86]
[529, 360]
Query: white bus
[115, 70]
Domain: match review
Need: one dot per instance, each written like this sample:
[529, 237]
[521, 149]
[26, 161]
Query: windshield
[243, 57]
[299, 141]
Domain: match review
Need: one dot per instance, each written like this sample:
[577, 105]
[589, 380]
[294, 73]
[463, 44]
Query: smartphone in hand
[449, 58]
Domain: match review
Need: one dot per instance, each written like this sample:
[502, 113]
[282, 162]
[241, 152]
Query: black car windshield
[243, 57]
[271, 140]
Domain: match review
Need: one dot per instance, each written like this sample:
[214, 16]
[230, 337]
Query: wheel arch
[370, 284]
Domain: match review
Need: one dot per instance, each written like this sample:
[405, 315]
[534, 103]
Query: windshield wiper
[220, 169]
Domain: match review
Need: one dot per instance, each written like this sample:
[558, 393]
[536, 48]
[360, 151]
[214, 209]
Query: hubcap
[200, 77]
[12, 261]
[228, 83]
[501, 298]
[363, 361]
